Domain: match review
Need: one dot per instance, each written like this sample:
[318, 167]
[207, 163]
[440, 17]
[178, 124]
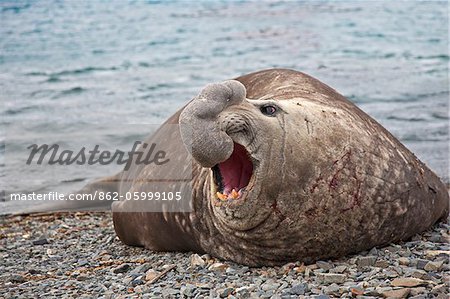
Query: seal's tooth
[234, 194]
[221, 196]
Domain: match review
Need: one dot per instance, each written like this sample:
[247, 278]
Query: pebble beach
[67, 255]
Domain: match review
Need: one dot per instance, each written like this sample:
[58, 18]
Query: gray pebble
[17, 278]
[366, 261]
[338, 269]
[381, 264]
[441, 288]
[435, 238]
[324, 265]
[299, 289]
[226, 292]
[405, 253]
[82, 277]
[34, 271]
[267, 294]
[332, 289]
[270, 285]
[82, 263]
[433, 266]
[189, 290]
[41, 241]
[169, 292]
[403, 261]
[121, 268]
[421, 263]
[331, 277]
[141, 269]
[417, 291]
[373, 251]
[137, 281]
[417, 273]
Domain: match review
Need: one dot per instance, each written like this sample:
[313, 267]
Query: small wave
[439, 115]
[354, 51]
[36, 74]
[405, 97]
[180, 58]
[436, 71]
[443, 57]
[14, 111]
[53, 79]
[15, 7]
[85, 70]
[144, 64]
[415, 137]
[68, 92]
[224, 38]
[160, 42]
[434, 40]
[345, 10]
[155, 87]
[42, 93]
[420, 96]
[154, 2]
[98, 51]
[388, 55]
[80, 71]
[410, 119]
[73, 180]
[74, 90]
[369, 34]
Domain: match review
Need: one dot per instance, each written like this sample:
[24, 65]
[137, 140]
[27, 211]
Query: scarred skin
[328, 180]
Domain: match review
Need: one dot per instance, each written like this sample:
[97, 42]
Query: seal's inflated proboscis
[286, 169]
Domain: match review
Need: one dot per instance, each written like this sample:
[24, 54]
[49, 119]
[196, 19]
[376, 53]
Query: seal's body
[286, 169]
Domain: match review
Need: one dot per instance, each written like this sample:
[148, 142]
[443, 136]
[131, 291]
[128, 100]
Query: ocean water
[70, 64]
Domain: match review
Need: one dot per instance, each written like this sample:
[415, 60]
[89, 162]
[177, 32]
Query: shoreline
[62, 255]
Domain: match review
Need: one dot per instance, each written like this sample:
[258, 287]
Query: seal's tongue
[233, 174]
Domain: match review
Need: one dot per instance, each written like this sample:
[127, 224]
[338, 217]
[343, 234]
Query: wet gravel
[69, 255]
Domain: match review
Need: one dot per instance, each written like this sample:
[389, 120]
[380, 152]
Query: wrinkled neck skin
[234, 223]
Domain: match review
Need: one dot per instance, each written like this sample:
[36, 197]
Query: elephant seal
[285, 169]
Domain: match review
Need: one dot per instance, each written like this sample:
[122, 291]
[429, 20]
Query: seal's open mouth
[233, 175]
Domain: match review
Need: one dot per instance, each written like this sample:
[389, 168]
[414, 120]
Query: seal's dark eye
[268, 110]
